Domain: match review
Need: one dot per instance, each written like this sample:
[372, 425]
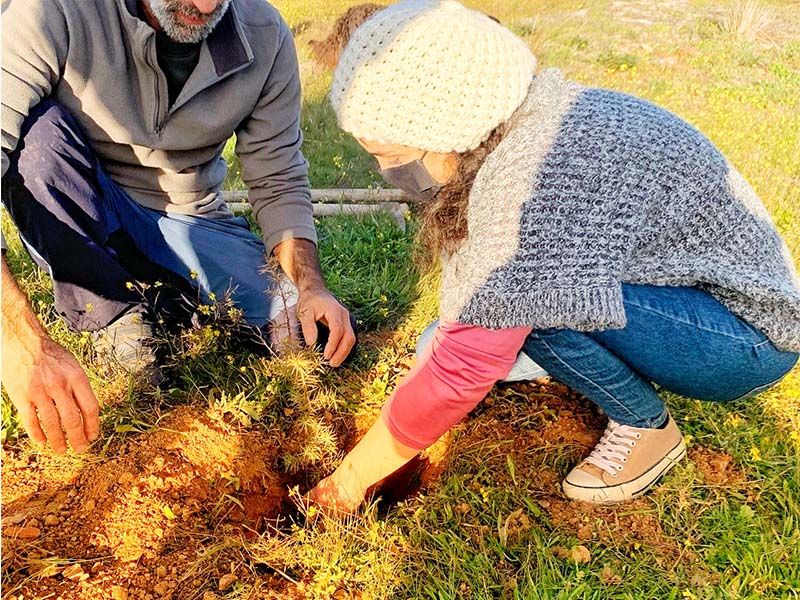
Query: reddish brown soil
[717, 467]
[148, 519]
[544, 429]
[136, 521]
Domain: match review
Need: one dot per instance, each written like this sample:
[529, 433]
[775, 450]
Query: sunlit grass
[712, 65]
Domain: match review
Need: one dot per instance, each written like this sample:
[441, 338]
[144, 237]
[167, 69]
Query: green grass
[740, 541]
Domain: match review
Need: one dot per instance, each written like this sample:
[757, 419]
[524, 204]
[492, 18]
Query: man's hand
[52, 395]
[298, 258]
[43, 380]
[320, 305]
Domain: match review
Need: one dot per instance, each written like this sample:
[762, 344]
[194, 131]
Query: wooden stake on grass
[340, 202]
[335, 196]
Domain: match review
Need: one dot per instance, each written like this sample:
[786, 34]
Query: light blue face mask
[413, 178]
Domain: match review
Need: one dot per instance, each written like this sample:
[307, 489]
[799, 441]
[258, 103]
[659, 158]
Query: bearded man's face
[183, 22]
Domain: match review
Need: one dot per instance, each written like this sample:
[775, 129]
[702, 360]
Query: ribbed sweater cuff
[586, 309]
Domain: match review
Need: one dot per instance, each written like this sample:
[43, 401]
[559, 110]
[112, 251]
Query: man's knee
[49, 135]
[51, 165]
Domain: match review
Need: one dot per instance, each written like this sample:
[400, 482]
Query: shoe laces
[612, 451]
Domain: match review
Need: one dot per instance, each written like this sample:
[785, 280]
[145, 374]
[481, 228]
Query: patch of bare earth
[543, 429]
[717, 467]
[164, 514]
[139, 523]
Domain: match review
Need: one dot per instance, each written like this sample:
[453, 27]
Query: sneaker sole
[629, 490]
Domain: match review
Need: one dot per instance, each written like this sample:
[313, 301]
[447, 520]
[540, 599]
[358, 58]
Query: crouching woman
[584, 233]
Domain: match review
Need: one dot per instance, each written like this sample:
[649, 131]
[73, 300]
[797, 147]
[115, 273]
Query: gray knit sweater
[591, 189]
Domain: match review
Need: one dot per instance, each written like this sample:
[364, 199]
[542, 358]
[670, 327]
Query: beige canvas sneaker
[625, 463]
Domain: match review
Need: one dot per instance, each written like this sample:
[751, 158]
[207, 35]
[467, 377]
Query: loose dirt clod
[119, 593]
[609, 577]
[580, 555]
[15, 519]
[23, 533]
[585, 532]
[716, 466]
[74, 573]
[226, 581]
[161, 589]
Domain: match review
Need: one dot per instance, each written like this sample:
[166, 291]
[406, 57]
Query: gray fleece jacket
[99, 61]
[591, 189]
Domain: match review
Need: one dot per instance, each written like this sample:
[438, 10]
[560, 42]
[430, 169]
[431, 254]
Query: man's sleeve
[268, 144]
[34, 50]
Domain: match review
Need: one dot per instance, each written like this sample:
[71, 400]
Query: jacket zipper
[158, 125]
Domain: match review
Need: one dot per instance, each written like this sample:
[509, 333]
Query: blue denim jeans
[93, 238]
[680, 338]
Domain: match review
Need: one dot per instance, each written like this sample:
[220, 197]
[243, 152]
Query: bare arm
[43, 380]
[298, 258]
[457, 370]
[374, 458]
[19, 321]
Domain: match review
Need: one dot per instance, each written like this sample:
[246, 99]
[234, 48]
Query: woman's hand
[338, 494]
[375, 457]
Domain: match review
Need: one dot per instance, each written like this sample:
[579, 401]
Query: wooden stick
[396, 209]
[348, 196]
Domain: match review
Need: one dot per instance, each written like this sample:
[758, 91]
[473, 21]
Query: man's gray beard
[165, 13]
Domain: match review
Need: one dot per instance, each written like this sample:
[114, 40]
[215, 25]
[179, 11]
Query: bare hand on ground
[51, 394]
[320, 305]
[335, 495]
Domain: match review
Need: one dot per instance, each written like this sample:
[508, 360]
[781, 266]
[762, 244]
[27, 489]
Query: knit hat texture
[430, 74]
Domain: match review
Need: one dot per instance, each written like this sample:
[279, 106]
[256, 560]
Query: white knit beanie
[430, 74]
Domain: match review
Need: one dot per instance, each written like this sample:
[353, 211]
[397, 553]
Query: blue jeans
[94, 239]
[680, 338]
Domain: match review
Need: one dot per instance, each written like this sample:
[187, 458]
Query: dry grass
[750, 21]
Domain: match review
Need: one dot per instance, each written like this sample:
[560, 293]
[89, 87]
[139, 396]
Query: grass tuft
[748, 20]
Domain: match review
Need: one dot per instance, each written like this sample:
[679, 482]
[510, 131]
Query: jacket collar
[227, 44]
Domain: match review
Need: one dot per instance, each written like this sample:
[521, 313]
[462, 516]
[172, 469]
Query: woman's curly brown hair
[327, 52]
[444, 220]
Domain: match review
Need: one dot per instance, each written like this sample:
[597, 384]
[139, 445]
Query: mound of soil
[139, 522]
[717, 467]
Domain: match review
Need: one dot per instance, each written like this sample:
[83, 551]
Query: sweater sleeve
[34, 50]
[455, 373]
[268, 144]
